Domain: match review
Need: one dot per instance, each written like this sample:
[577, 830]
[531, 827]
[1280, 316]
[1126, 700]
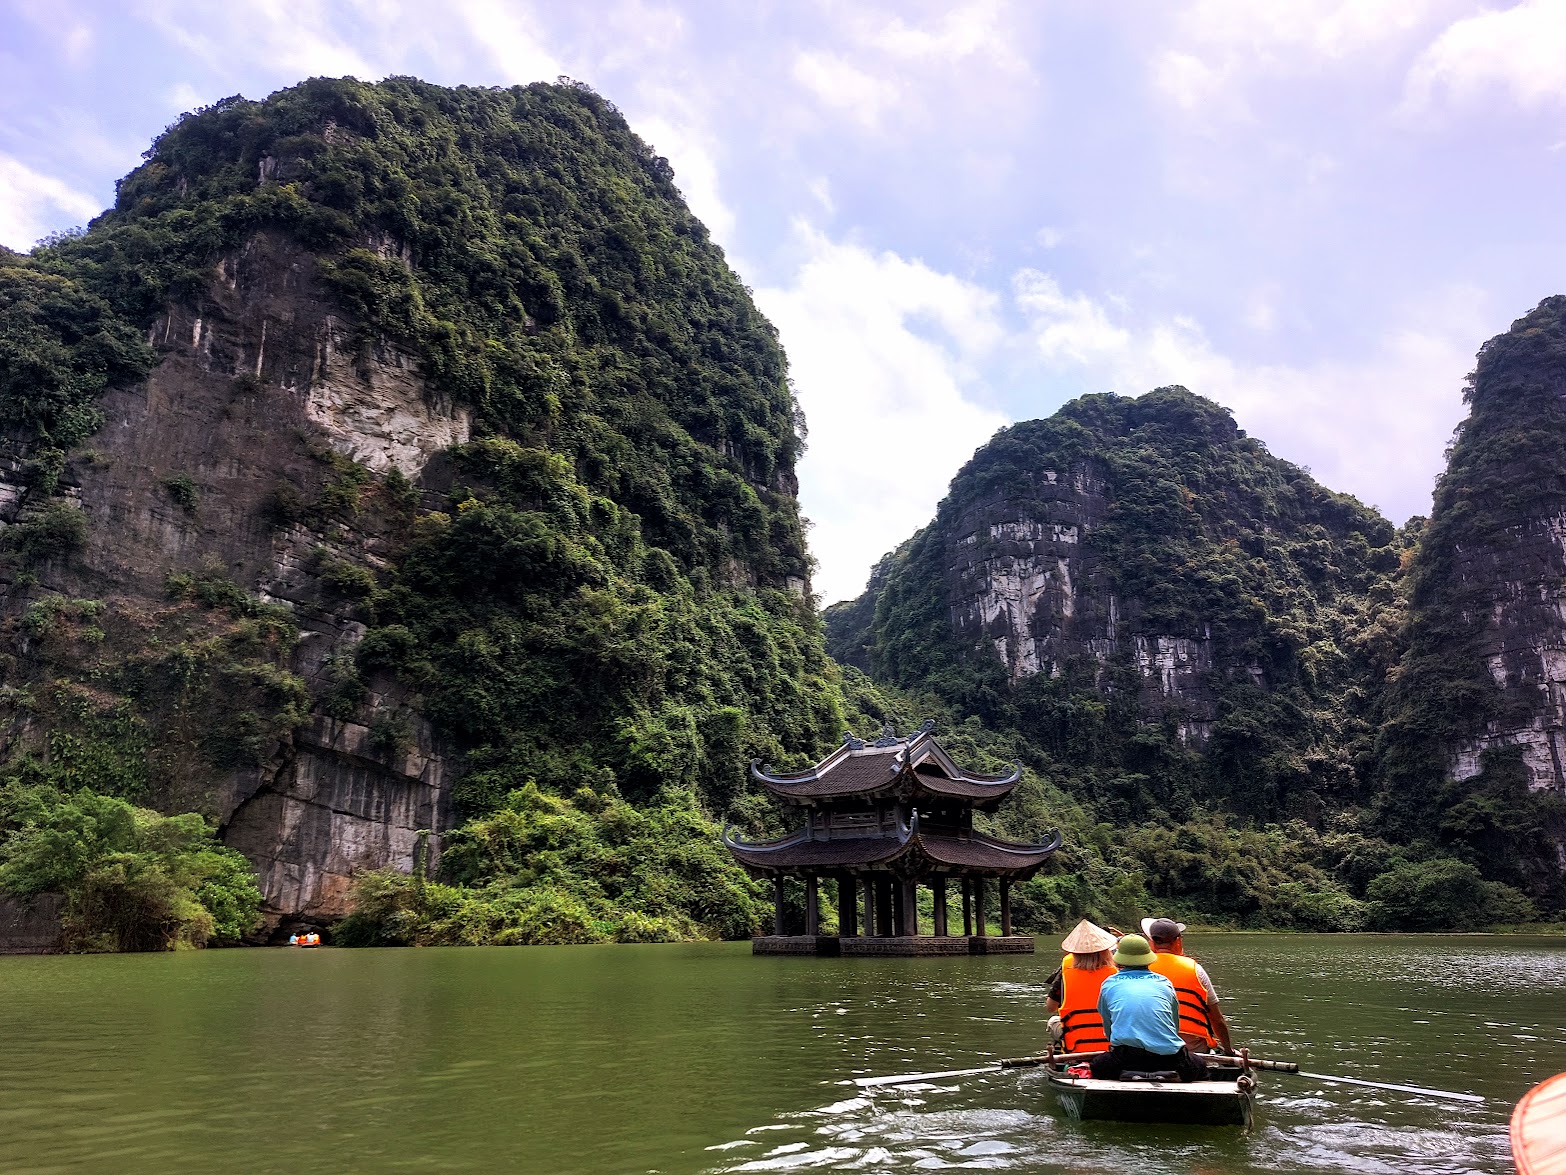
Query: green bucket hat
[1134, 952]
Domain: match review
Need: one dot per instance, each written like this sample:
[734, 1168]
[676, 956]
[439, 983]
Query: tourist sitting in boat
[293, 940]
[1073, 990]
[1202, 1024]
[1141, 1018]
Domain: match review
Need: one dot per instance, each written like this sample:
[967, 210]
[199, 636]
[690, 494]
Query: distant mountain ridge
[1136, 582]
[1179, 627]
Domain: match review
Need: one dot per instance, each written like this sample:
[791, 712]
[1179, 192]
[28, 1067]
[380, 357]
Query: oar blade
[1415, 1089]
[910, 1078]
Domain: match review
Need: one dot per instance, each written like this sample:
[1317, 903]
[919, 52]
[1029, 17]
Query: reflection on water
[702, 1058]
[1483, 1017]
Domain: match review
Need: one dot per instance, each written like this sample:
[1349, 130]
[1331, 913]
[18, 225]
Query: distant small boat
[1539, 1129]
[1190, 1103]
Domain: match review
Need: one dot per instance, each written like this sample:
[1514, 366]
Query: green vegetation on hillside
[598, 599]
[1505, 476]
[1296, 589]
[134, 880]
[603, 595]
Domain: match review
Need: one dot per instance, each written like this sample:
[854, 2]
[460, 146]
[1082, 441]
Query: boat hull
[1190, 1103]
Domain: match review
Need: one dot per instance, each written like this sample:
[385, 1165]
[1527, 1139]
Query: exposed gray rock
[30, 926]
[1022, 579]
[258, 379]
[1524, 648]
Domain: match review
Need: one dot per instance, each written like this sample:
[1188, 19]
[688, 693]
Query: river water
[701, 1058]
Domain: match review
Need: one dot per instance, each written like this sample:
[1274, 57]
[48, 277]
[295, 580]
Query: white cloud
[1049, 238]
[33, 204]
[1075, 329]
[1319, 28]
[1217, 48]
[1186, 80]
[882, 351]
[295, 39]
[1521, 50]
[508, 40]
[975, 29]
[879, 61]
[845, 87]
[1262, 312]
[1374, 426]
[820, 189]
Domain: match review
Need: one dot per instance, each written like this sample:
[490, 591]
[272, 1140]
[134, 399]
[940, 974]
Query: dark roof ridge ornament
[888, 735]
[851, 742]
[768, 775]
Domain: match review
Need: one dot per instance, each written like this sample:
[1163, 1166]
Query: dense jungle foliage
[207, 670]
[1296, 592]
[605, 596]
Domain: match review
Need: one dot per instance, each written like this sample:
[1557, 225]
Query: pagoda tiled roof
[910, 850]
[916, 763]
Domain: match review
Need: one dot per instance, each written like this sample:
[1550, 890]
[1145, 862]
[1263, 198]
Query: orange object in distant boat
[1539, 1129]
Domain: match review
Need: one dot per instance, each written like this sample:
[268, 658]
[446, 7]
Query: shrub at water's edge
[133, 880]
[540, 869]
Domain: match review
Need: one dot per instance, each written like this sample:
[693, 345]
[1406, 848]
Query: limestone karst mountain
[1474, 748]
[388, 449]
[398, 478]
[1182, 629]
[1136, 582]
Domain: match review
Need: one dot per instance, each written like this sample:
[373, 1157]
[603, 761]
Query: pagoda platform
[891, 946]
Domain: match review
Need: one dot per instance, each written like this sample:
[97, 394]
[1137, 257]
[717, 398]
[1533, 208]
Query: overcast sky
[964, 214]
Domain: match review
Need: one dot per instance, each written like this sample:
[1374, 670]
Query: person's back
[1141, 1018]
[1202, 1023]
[1082, 983]
[1139, 1008]
[1075, 988]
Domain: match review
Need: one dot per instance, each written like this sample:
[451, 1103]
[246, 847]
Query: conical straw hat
[1088, 939]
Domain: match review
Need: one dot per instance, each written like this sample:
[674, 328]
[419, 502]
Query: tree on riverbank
[133, 880]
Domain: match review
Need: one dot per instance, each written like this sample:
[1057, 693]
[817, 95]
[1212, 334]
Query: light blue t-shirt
[1139, 1007]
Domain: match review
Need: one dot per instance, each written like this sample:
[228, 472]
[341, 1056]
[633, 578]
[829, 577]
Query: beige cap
[1088, 939]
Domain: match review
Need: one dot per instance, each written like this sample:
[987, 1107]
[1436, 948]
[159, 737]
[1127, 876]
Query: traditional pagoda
[882, 819]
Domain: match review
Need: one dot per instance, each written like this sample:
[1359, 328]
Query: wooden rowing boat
[1539, 1129]
[1227, 1102]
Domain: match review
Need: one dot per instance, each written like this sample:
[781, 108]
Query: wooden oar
[1008, 1063]
[1225, 1062]
[1456, 1097]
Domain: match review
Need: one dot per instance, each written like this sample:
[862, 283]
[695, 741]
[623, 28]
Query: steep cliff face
[387, 449]
[261, 394]
[1025, 576]
[1135, 583]
[1474, 748]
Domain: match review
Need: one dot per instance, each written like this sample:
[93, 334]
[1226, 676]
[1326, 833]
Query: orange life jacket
[1180, 970]
[1084, 1028]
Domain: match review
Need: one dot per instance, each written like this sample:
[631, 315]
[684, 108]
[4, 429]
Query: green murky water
[702, 1058]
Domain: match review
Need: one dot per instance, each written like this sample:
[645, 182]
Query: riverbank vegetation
[133, 880]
